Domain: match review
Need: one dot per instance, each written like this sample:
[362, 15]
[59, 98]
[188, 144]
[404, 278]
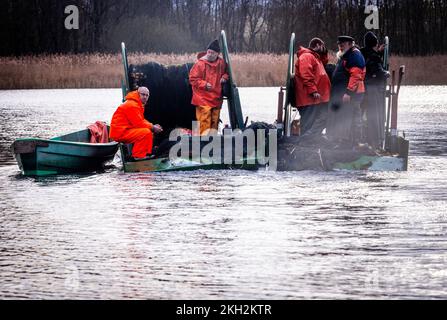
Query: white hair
[140, 89]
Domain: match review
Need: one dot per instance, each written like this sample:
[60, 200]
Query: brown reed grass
[105, 70]
[427, 70]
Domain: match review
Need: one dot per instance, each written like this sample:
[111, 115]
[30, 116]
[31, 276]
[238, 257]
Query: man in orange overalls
[129, 125]
[206, 78]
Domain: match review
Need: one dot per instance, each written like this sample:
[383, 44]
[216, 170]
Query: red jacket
[98, 132]
[310, 77]
[205, 71]
[129, 115]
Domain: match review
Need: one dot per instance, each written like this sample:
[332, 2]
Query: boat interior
[79, 136]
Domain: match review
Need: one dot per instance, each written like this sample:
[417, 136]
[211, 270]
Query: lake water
[221, 234]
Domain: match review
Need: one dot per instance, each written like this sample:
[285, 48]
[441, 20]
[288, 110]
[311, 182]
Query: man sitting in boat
[129, 125]
[206, 78]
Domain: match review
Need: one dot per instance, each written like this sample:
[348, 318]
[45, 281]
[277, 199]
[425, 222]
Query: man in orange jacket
[206, 78]
[129, 125]
[312, 87]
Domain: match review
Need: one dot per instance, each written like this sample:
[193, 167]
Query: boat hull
[40, 157]
[295, 157]
[180, 164]
[291, 156]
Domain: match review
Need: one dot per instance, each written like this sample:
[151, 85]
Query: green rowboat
[70, 153]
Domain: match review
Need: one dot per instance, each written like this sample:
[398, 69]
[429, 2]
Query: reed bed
[105, 70]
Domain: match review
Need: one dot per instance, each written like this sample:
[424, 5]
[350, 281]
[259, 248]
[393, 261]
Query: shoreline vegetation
[106, 71]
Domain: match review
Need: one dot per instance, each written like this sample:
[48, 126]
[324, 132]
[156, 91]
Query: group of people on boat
[207, 77]
[345, 99]
[327, 97]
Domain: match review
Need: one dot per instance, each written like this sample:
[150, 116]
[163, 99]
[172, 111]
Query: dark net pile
[170, 101]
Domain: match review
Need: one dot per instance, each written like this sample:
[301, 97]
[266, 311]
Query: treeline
[416, 27]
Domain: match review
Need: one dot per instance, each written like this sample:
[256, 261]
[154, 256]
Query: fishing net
[170, 101]
[319, 153]
[227, 145]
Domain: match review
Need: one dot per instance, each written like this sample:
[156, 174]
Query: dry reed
[105, 70]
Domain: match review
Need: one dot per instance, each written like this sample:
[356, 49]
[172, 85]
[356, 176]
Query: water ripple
[221, 234]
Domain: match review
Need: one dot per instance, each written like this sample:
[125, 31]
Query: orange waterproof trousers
[208, 118]
[142, 139]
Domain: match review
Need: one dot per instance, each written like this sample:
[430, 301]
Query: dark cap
[214, 45]
[370, 40]
[342, 39]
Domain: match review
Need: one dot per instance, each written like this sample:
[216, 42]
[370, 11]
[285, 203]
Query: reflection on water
[221, 234]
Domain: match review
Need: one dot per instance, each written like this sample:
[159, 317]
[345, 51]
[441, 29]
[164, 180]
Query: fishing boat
[179, 113]
[293, 155]
[70, 153]
[170, 106]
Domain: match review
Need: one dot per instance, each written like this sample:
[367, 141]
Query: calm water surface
[221, 234]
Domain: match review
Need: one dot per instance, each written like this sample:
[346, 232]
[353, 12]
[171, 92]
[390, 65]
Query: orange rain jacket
[205, 71]
[310, 77]
[129, 115]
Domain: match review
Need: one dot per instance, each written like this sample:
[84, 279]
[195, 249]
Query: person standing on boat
[375, 82]
[206, 78]
[129, 125]
[312, 87]
[345, 122]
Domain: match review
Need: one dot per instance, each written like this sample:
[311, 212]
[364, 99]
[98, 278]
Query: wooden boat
[70, 153]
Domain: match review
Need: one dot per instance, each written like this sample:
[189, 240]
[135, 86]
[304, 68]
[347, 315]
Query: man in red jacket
[206, 78]
[129, 125]
[312, 87]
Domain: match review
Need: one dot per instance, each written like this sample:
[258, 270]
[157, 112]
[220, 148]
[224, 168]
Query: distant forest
[416, 27]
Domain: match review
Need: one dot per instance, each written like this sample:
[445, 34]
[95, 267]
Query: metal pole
[394, 137]
[386, 54]
[126, 87]
[290, 75]
[388, 115]
[386, 107]
[280, 106]
[234, 103]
